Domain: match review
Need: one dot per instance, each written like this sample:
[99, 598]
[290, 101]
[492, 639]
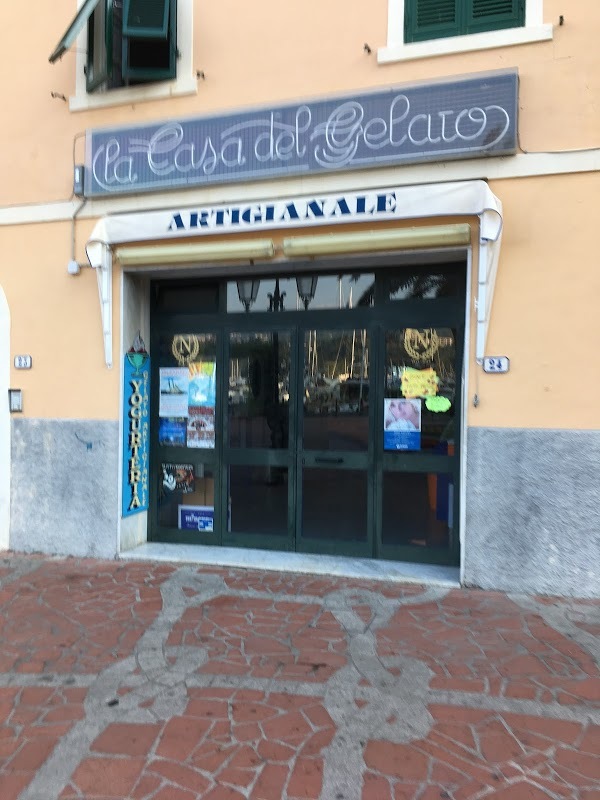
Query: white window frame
[534, 30]
[185, 82]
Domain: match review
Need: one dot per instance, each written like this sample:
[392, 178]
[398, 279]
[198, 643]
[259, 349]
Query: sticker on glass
[437, 404]
[419, 382]
[174, 388]
[201, 399]
[196, 518]
[178, 478]
[171, 431]
[401, 423]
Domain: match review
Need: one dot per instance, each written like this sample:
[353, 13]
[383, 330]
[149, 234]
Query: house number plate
[496, 364]
[22, 362]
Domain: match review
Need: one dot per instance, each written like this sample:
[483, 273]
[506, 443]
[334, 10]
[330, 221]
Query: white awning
[428, 201]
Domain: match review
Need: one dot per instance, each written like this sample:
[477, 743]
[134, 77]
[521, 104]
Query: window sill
[463, 44]
[137, 94]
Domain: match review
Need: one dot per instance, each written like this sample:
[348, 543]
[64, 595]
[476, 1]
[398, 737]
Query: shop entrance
[315, 413]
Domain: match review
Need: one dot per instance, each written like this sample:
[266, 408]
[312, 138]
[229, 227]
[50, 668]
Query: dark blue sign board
[452, 119]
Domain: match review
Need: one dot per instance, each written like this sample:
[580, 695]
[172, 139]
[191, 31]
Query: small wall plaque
[22, 362]
[497, 364]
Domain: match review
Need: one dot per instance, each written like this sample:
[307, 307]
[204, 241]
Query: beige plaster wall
[544, 315]
[275, 53]
[545, 311]
[55, 318]
[545, 306]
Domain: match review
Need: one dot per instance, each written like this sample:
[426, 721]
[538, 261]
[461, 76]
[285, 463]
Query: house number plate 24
[497, 364]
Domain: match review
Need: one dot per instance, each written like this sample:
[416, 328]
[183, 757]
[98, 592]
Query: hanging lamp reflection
[248, 292]
[307, 286]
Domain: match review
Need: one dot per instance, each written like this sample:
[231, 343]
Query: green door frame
[384, 315]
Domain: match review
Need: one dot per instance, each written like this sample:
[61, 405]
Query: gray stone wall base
[64, 488]
[533, 511]
[532, 501]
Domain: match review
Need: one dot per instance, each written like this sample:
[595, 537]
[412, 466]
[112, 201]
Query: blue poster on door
[401, 423]
[136, 403]
[197, 518]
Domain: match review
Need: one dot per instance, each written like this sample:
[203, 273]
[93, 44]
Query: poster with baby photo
[401, 423]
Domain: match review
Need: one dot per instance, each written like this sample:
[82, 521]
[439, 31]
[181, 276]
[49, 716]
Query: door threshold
[305, 563]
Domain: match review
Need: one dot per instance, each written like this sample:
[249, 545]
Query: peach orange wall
[55, 318]
[275, 52]
[545, 313]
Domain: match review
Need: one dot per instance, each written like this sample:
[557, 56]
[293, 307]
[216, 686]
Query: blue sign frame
[471, 117]
[136, 433]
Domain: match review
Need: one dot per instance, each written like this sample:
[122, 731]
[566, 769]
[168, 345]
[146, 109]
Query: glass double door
[298, 456]
[332, 433]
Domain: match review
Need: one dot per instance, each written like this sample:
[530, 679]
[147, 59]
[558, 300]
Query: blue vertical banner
[136, 404]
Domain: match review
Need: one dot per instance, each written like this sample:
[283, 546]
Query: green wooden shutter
[431, 19]
[493, 15]
[438, 19]
[99, 47]
[146, 18]
[148, 59]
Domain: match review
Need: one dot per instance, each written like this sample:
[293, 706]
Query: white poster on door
[174, 388]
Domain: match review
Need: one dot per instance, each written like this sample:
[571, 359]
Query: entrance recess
[316, 413]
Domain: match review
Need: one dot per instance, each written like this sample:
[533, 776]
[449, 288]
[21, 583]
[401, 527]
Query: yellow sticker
[437, 404]
[201, 368]
[419, 382]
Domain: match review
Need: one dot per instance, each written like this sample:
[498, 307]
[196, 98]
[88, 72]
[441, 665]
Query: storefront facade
[342, 325]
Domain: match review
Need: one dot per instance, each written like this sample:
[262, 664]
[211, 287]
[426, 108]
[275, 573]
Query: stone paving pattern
[156, 682]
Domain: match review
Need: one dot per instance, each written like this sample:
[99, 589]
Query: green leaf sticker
[437, 404]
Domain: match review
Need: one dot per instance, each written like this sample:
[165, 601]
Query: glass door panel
[259, 390]
[257, 456]
[184, 432]
[420, 389]
[418, 509]
[419, 441]
[334, 505]
[186, 497]
[258, 501]
[336, 390]
[335, 446]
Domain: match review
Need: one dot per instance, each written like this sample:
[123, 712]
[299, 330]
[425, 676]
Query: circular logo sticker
[421, 344]
[185, 349]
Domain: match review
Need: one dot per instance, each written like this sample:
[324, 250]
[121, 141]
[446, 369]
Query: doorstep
[306, 563]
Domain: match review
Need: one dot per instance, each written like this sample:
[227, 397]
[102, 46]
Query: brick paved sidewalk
[155, 682]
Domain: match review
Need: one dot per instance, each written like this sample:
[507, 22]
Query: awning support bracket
[100, 257]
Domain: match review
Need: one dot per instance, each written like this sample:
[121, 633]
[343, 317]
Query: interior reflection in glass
[336, 390]
[304, 292]
[259, 376]
[419, 284]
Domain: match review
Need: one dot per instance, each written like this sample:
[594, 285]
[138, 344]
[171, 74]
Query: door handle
[325, 460]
